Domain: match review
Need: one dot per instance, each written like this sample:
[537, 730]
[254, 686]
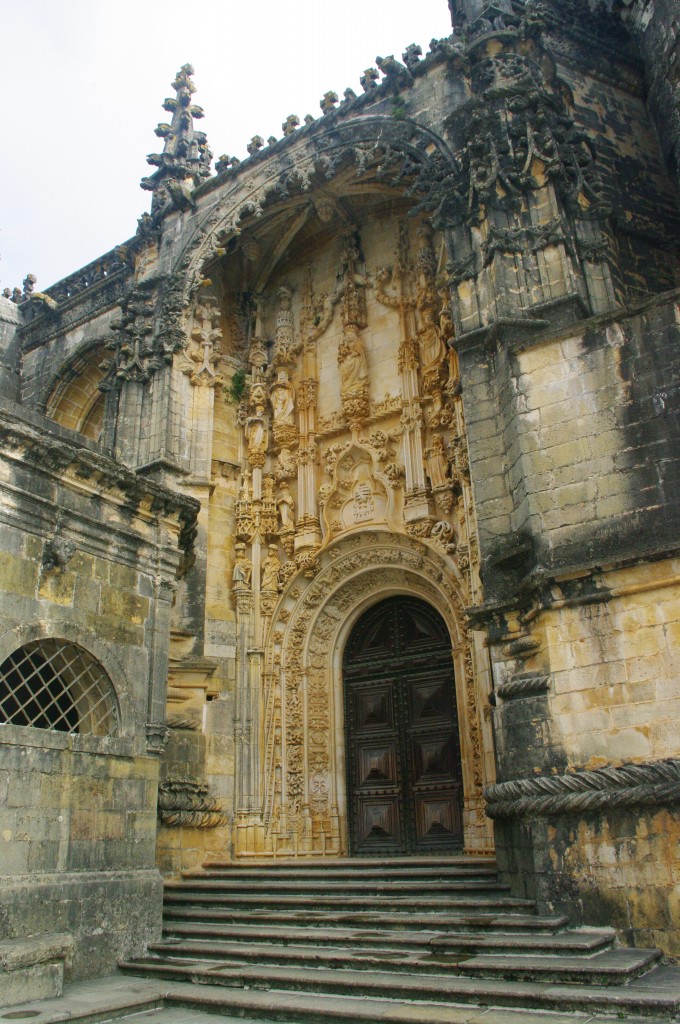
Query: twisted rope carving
[183, 802]
[630, 785]
[522, 686]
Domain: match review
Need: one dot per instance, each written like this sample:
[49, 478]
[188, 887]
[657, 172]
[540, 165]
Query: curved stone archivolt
[400, 156]
[75, 401]
[302, 791]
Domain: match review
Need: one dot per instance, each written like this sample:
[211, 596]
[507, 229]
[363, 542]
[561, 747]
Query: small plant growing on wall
[236, 387]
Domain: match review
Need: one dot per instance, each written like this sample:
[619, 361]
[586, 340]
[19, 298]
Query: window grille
[54, 684]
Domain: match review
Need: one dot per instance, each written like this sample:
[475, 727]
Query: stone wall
[78, 820]
[573, 445]
[84, 558]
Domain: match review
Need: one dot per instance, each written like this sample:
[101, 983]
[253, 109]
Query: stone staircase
[352, 940]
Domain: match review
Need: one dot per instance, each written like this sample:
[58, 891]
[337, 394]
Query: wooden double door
[402, 743]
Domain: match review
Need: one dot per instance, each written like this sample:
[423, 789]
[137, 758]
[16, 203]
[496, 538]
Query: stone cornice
[83, 468]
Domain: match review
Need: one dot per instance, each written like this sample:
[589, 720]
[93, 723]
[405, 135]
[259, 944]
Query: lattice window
[54, 684]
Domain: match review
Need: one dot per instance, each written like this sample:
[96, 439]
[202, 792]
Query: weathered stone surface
[425, 345]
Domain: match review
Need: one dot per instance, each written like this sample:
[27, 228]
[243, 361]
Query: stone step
[463, 871]
[358, 958]
[656, 993]
[175, 896]
[463, 921]
[437, 888]
[409, 954]
[611, 967]
[435, 944]
[355, 865]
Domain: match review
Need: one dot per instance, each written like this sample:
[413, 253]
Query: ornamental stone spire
[185, 160]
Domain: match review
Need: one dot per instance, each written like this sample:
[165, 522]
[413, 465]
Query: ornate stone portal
[302, 782]
[353, 485]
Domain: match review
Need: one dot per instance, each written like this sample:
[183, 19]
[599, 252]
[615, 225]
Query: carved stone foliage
[136, 351]
[516, 131]
[201, 357]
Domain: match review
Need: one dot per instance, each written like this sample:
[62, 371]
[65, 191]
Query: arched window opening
[75, 400]
[57, 685]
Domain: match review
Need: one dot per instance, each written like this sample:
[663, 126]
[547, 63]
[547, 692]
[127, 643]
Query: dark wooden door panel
[379, 825]
[403, 751]
[377, 764]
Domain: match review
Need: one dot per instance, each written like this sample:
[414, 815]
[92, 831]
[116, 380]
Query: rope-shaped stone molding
[525, 685]
[188, 804]
[629, 785]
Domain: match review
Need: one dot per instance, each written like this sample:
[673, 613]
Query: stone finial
[309, 119]
[255, 144]
[225, 162]
[369, 79]
[271, 140]
[185, 159]
[328, 102]
[411, 55]
[290, 124]
[29, 284]
[349, 95]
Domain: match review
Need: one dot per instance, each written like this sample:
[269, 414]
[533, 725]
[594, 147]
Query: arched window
[55, 684]
[75, 401]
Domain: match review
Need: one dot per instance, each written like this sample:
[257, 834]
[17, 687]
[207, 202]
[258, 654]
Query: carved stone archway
[302, 801]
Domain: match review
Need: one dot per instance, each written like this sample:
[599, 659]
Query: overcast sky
[85, 80]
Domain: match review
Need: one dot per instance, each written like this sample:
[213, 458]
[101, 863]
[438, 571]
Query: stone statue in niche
[257, 440]
[243, 569]
[282, 395]
[437, 464]
[283, 400]
[353, 365]
[270, 570]
[268, 488]
[244, 489]
[285, 348]
[352, 362]
[431, 344]
[255, 426]
[286, 506]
